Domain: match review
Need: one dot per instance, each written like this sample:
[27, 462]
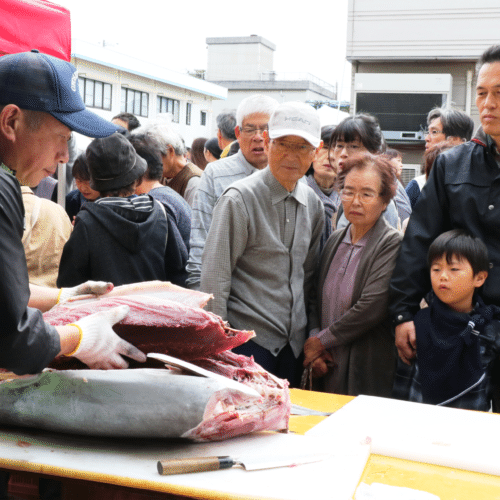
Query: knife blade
[185, 365]
[250, 462]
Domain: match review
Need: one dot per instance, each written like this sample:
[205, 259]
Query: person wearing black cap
[40, 105]
[121, 237]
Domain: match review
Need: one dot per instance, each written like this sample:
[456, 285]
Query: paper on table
[451, 437]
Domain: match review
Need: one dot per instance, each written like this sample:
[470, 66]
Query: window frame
[106, 91]
[134, 101]
[168, 105]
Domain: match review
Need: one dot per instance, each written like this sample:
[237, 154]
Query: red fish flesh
[159, 325]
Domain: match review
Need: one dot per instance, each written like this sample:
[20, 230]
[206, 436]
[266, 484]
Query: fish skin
[145, 403]
[139, 403]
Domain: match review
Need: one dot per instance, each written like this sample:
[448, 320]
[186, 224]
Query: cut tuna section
[233, 413]
[159, 289]
[159, 325]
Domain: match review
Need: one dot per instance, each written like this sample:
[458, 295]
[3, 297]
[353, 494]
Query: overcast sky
[310, 38]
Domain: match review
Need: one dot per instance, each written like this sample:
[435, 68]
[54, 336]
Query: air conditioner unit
[410, 172]
[401, 101]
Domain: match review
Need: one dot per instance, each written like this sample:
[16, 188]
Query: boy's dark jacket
[449, 347]
[115, 244]
[463, 192]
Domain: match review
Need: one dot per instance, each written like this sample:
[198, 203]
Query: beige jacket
[47, 228]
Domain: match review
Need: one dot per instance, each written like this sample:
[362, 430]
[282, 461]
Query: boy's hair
[80, 169]
[462, 245]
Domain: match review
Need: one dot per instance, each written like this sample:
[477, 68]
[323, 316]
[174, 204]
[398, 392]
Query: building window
[188, 113]
[167, 105]
[203, 118]
[95, 94]
[135, 102]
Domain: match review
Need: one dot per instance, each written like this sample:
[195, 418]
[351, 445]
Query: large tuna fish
[149, 403]
[145, 402]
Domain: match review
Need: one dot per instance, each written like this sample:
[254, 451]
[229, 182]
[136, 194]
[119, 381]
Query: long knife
[250, 462]
[185, 365]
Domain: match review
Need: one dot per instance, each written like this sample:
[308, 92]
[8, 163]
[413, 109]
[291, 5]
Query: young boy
[456, 334]
[83, 192]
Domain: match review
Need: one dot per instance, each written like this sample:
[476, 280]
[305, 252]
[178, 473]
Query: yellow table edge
[446, 483]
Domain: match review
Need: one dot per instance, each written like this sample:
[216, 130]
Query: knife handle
[200, 464]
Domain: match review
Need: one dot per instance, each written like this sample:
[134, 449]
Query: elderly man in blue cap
[40, 105]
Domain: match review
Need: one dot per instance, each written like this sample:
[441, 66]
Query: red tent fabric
[35, 24]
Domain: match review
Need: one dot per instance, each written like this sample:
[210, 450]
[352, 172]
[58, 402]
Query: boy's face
[87, 192]
[455, 283]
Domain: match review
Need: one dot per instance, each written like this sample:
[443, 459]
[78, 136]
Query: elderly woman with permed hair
[351, 343]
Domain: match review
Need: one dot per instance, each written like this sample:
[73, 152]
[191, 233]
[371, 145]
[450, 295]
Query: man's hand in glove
[100, 347]
[87, 288]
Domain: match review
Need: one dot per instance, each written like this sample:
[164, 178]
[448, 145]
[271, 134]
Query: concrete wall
[239, 58]
[390, 36]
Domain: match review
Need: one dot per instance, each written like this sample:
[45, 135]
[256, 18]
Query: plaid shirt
[407, 387]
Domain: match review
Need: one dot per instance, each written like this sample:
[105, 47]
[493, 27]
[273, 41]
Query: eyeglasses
[301, 149]
[433, 132]
[251, 131]
[366, 197]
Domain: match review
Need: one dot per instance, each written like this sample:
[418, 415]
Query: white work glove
[100, 347]
[87, 288]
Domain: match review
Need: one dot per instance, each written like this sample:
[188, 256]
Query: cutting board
[133, 463]
[460, 439]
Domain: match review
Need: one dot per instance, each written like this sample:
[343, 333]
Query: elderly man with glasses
[263, 245]
[252, 116]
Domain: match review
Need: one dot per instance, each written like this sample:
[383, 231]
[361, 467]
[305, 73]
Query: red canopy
[35, 24]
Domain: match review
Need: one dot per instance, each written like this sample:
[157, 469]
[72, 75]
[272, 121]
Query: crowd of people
[304, 234]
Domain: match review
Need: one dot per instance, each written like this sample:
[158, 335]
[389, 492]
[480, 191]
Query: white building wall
[396, 30]
[118, 79]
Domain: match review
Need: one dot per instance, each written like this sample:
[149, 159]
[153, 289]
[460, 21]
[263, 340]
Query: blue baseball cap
[40, 82]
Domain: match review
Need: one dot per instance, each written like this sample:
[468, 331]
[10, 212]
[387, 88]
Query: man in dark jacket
[462, 192]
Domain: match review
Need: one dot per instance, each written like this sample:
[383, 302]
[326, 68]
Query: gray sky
[310, 38]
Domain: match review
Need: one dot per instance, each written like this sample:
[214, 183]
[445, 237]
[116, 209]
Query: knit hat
[113, 163]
